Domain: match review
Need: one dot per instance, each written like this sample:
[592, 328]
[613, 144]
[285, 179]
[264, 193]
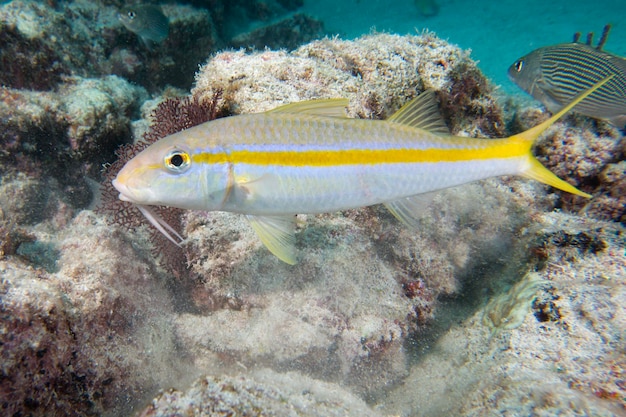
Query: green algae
[508, 310]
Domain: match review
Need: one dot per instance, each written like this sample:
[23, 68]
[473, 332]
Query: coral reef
[43, 42]
[82, 38]
[84, 332]
[109, 327]
[470, 97]
[377, 73]
[67, 134]
[263, 313]
[18, 62]
[89, 338]
[339, 318]
[62, 111]
[23, 199]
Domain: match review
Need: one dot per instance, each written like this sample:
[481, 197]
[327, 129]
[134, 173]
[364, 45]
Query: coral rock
[88, 338]
[264, 393]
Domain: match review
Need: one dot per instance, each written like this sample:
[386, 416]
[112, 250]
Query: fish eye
[131, 15]
[519, 65]
[177, 161]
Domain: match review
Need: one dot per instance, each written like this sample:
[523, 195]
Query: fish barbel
[309, 157]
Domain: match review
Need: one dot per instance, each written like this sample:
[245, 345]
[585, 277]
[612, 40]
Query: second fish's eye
[177, 161]
[519, 65]
[131, 15]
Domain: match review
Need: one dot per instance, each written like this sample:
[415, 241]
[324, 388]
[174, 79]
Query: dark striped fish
[147, 21]
[556, 74]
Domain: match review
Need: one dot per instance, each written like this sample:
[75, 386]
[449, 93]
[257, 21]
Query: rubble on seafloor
[88, 308]
[263, 392]
[90, 338]
[566, 357]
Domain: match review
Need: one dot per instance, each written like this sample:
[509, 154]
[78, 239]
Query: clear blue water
[497, 32]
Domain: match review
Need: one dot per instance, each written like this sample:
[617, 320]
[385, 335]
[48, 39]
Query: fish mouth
[121, 188]
[161, 225]
[128, 194]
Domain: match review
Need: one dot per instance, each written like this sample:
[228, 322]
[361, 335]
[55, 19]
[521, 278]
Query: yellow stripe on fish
[309, 158]
[362, 156]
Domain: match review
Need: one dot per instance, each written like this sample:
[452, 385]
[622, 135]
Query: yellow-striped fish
[309, 157]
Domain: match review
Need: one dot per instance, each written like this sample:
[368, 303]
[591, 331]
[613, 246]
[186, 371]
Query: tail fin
[537, 171]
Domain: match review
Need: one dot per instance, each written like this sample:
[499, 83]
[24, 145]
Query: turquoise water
[497, 32]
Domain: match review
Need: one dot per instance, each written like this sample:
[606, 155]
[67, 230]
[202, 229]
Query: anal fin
[278, 234]
[408, 209]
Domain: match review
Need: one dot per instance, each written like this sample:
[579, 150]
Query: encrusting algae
[508, 311]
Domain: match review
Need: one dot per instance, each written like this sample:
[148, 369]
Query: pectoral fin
[278, 234]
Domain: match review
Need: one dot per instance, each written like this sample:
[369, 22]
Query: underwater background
[506, 299]
[497, 32]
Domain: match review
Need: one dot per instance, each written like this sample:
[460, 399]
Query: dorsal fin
[331, 107]
[422, 112]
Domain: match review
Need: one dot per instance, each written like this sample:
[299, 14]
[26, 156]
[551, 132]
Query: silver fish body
[556, 74]
[147, 21]
[308, 157]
